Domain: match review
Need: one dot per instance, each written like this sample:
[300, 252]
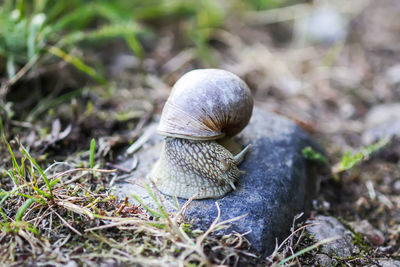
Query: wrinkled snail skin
[203, 168]
[204, 105]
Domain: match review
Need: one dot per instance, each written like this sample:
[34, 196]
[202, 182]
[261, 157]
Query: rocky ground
[331, 68]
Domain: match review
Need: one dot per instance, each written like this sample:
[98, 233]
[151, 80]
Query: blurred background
[75, 70]
[322, 63]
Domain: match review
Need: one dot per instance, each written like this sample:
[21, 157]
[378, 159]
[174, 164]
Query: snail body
[204, 106]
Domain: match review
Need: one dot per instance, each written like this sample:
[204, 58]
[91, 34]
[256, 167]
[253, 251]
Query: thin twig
[5, 87]
[66, 223]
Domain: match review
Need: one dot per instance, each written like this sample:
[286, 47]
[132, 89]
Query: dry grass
[79, 220]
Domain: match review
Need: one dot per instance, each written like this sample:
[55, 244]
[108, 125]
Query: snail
[205, 106]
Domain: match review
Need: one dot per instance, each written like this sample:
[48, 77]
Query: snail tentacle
[240, 156]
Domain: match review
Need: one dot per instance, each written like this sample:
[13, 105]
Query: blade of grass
[3, 197]
[24, 152]
[77, 63]
[2, 132]
[135, 46]
[78, 19]
[350, 159]
[3, 214]
[13, 177]
[27, 226]
[150, 210]
[33, 176]
[310, 154]
[160, 207]
[21, 211]
[327, 240]
[22, 167]
[120, 29]
[14, 161]
[31, 197]
[54, 182]
[92, 148]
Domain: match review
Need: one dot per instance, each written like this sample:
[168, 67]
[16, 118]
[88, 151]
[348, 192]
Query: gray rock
[387, 263]
[71, 264]
[328, 227]
[109, 263]
[279, 182]
[382, 121]
[325, 24]
[396, 186]
[392, 74]
[323, 260]
[370, 233]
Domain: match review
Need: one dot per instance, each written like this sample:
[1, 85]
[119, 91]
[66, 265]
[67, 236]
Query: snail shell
[204, 105]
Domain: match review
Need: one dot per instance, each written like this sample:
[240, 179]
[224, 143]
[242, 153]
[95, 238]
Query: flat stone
[279, 182]
[325, 227]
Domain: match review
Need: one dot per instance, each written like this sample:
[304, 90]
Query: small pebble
[396, 187]
[323, 260]
[71, 264]
[371, 234]
[329, 227]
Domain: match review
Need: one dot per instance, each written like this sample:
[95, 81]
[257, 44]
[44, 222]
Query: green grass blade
[3, 197]
[150, 210]
[39, 170]
[158, 225]
[13, 159]
[160, 207]
[327, 240]
[92, 148]
[2, 132]
[135, 46]
[3, 214]
[77, 63]
[25, 225]
[40, 192]
[21, 211]
[310, 154]
[33, 176]
[350, 159]
[120, 29]
[74, 20]
[41, 201]
[23, 168]
[32, 229]
[21, 6]
[13, 177]
[54, 182]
